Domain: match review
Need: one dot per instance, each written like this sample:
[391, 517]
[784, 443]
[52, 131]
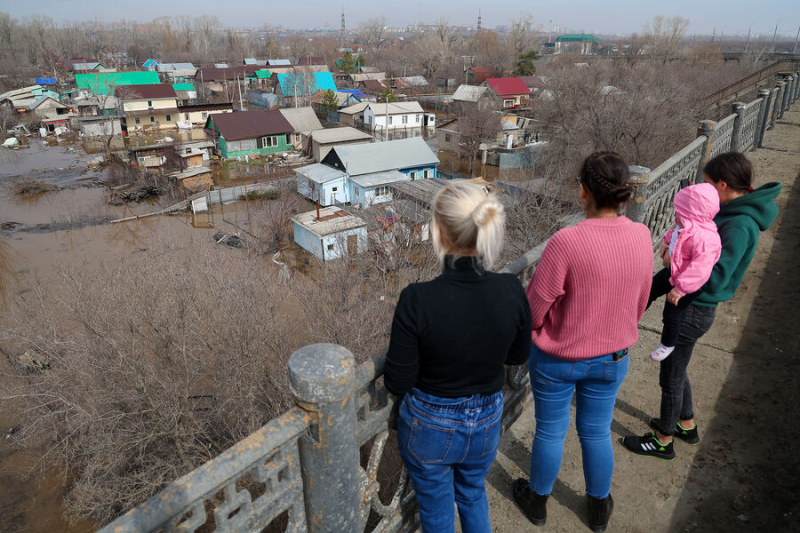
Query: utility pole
[772, 46]
[748, 39]
[479, 19]
[341, 36]
[794, 50]
[713, 34]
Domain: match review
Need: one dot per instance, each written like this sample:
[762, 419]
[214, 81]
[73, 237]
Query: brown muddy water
[71, 226]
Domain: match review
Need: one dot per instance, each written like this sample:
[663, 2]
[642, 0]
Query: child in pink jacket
[694, 249]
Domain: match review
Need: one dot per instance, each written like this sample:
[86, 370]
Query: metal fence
[316, 468]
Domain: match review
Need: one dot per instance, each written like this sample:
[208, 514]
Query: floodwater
[71, 225]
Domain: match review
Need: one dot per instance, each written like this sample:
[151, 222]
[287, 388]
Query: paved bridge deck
[745, 474]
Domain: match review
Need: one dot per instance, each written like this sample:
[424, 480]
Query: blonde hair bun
[470, 219]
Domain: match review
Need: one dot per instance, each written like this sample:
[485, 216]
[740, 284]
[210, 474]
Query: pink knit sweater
[591, 288]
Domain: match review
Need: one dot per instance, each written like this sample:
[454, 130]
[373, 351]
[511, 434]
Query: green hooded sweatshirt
[739, 222]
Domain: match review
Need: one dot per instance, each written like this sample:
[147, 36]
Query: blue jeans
[554, 381]
[447, 445]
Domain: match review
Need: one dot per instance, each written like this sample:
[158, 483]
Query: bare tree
[663, 36]
[478, 125]
[373, 31]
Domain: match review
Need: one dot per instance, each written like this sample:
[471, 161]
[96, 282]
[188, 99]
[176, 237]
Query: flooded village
[184, 204]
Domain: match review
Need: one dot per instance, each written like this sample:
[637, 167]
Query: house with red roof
[476, 75]
[510, 90]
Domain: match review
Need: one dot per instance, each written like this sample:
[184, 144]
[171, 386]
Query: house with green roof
[258, 79]
[104, 83]
[578, 43]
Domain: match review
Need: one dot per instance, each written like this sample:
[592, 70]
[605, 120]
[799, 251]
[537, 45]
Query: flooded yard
[69, 226]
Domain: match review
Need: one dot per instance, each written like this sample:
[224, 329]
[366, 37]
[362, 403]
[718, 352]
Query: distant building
[294, 85]
[577, 43]
[399, 115]
[330, 232]
[481, 97]
[324, 140]
[476, 75]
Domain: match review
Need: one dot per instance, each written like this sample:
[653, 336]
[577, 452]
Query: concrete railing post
[738, 124]
[709, 129]
[776, 109]
[788, 80]
[322, 380]
[639, 177]
[763, 119]
[797, 86]
[779, 102]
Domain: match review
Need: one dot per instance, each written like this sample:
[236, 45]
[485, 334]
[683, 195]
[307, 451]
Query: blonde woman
[451, 338]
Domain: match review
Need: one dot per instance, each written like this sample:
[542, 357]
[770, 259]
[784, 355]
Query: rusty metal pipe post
[738, 108]
[639, 177]
[765, 95]
[322, 380]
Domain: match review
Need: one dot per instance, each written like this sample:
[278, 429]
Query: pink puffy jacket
[698, 246]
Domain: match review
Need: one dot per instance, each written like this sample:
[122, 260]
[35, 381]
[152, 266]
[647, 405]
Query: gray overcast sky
[619, 16]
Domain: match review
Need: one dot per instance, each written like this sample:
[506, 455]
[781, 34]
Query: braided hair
[605, 176]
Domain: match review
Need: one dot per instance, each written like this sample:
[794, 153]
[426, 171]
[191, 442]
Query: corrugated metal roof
[320, 173]
[250, 124]
[274, 62]
[225, 73]
[332, 135]
[508, 86]
[262, 74]
[302, 119]
[468, 93]
[86, 66]
[533, 81]
[353, 109]
[172, 67]
[250, 61]
[380, 178]
[421, 191]
[141, 92]
[378, 157]
[305, 83]
[184, 86]
[576, 38]
[410, 81]
[104, 82]
[396, 108]
[331, 220]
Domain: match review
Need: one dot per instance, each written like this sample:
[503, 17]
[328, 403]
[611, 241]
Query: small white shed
[330, 232]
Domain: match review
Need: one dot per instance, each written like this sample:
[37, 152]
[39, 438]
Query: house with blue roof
[291, 86]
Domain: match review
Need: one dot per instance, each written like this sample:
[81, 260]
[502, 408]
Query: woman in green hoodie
[743, 214]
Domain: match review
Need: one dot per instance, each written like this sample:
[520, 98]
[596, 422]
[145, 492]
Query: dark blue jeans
[447, 445]
[676, 391]
[554, 381]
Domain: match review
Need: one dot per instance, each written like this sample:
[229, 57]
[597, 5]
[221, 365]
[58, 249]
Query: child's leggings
[672, 313]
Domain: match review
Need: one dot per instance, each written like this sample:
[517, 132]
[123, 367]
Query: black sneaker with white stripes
[648, 445]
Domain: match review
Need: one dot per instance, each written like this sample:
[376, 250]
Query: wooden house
[249, 133]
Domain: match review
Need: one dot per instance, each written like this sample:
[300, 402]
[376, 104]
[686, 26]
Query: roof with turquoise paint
[305, 83]
[104, 82]
[183, 86]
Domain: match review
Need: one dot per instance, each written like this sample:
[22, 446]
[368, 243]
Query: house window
[137, 120]
[289, 139]
[204, 115]
[330, 247]
[383, 190]
[150, 104]
[390, 120]
[169, 118]
[405, 119]
[412, 175]
[417, 118]
[447, 137]
[186, 116]
[270, 141]
[508, 103]
[426, 174]
[334, 189]
[297, 137]
[152, 119]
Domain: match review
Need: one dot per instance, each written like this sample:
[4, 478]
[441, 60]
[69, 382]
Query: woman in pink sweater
[694, 248]
[587, 296]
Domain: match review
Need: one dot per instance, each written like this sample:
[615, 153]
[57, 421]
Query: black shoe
[689, 436]
[649, 446]
[533, 505]
[599, 513]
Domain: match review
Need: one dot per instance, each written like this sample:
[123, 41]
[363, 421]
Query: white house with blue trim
[367, 170]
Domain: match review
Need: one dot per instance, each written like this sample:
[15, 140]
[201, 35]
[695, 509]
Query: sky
[591, 16]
